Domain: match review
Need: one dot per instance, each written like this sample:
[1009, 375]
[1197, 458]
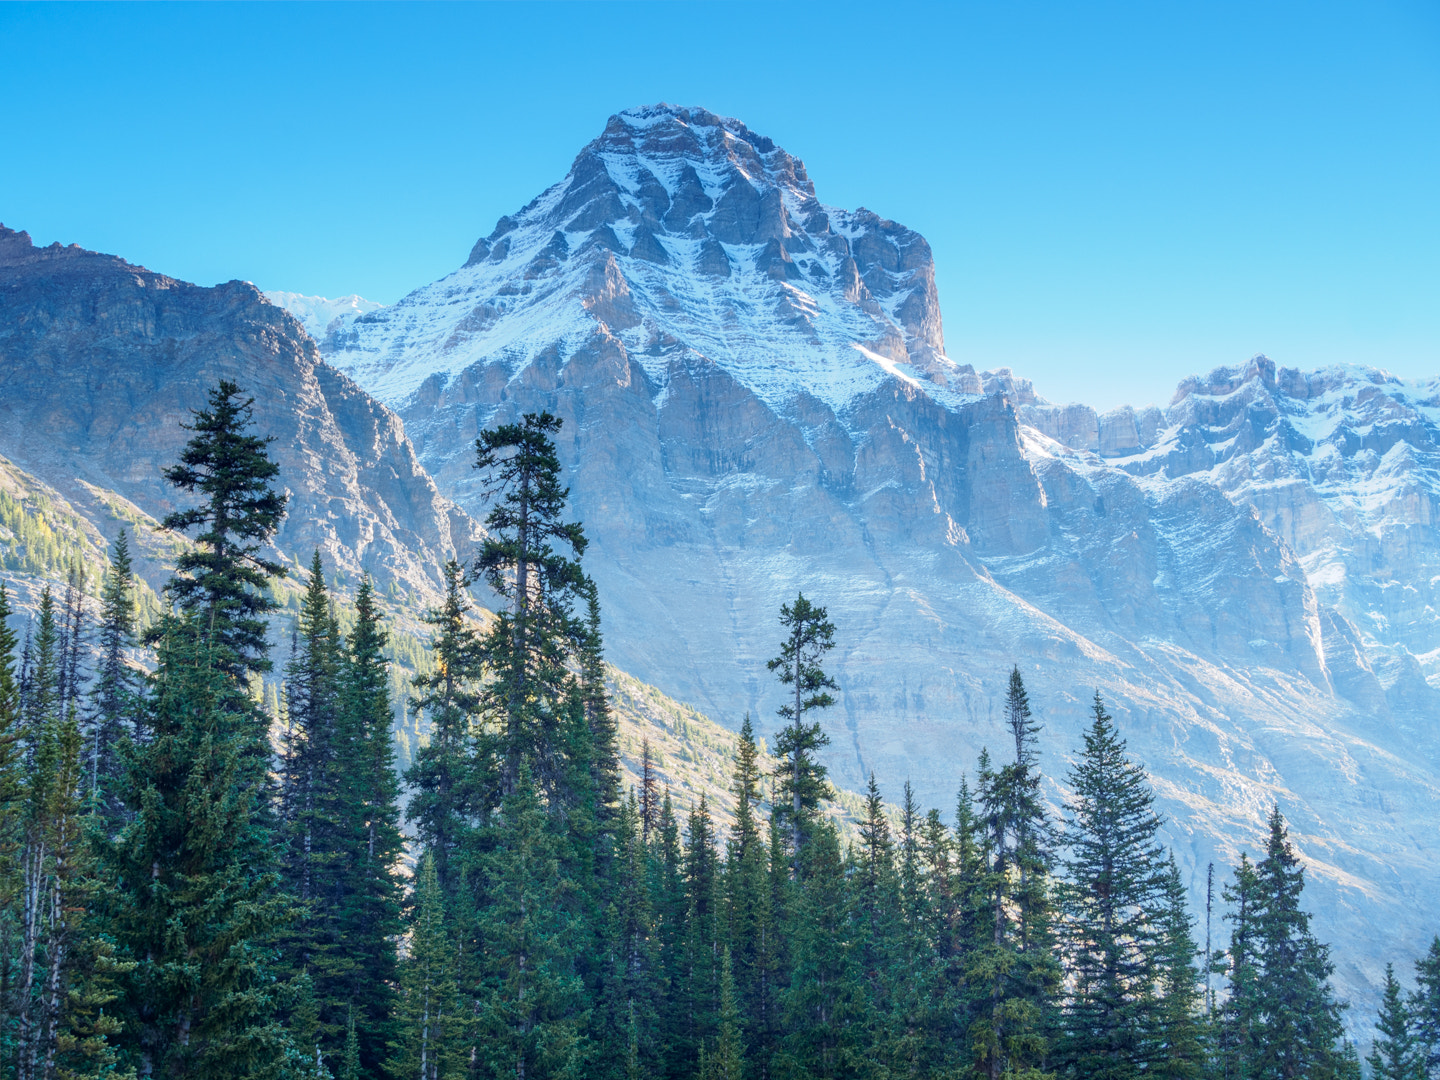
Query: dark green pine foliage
[1239, 1016]
[604, 727]
[701, 987]
[809, 636]
[531, 562]
[367, 915]
[191, 891]
[875, 911]
[429, 1039]
[726, 1058]
[223, 581]
[1015, 960]
[918, 1035]
[1113, 900]
[114, 710]
[1299, 1028]
[1178, 1033]
[1425, 1007]
[825, 1012]
[669, 905]
[1396, 1054]
[314, 844]
[749, 929]
[531, 1015]
[626, 1020]
[445, 801]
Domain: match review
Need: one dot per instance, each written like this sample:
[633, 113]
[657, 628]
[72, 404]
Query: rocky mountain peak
[683, 235]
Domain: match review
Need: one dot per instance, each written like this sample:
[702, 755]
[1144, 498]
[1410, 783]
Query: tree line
[188, 891]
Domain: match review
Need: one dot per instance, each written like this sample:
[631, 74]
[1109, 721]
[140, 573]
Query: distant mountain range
[757, 400]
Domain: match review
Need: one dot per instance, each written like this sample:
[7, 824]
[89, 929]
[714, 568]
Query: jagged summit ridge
[681, 235]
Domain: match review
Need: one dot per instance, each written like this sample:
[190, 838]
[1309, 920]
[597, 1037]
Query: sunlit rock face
[757, 401]
[101, 362]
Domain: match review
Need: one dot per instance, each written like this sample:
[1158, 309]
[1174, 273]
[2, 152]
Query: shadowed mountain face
[757, 401]
[101, 362]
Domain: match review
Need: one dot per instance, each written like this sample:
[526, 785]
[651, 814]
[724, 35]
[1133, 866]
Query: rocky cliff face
[102, 361]
[757, 401]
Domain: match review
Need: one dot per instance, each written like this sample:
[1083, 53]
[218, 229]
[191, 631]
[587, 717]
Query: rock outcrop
[101, 362]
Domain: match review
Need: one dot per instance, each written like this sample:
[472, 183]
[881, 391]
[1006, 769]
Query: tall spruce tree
[12, 794]
[115, 693]
[1113, 900]
[367, 915]
[1178, 1024]
[224, 580]
[447, 797]
[1425, 1007]
[1299, 1030]
[701, 987]
[429, 1039]
[1396, 1054]
[532, 1016]
[809, 636]
[531, 560]
[192, 884]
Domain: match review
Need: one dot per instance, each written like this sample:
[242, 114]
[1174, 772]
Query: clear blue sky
[1117, 194]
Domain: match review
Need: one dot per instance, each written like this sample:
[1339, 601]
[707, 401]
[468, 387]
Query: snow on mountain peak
[320, 315]
[679, 233]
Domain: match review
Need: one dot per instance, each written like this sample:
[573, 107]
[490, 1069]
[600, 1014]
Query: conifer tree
[1113, 900]
[630, 989]
[649, 792]
[1178, 1033]
[809, 636]
[875, 907]
[429, 1037]
[368, 914]
[668, 890]
[1425, 1008]
[1299, 1020]
[114, 696]
[825, 1009]
[604, 730]
[191, 890]
[1396, 1054]
[727, 1060]
[701, 988]
[748, 928]
[525, 563]
[531, 1017]
[224, 579]
[1240, 1016]
[447, 797]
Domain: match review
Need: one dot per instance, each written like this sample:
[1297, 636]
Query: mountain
[320, 315]
[101, 362]
[758, 401]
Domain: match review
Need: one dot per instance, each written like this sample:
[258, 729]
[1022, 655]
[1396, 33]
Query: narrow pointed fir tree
[1396, 1054]
[446, 799]
[1425, 1007]
[1113, 901]
[826, 1012]
[531, 560]
[1239, 1020]
[701, 988]
[429, 1039]
[748, 930]
[649, 792]
[809, 636]
[192, 879]
[350, 1056]
[531, 1017]
[224, 580]
[726, 1060]
[604, 727]
[114, 695]
[1299, 1019]
[627, 1015]
[1178, 1034]
[368, 913]
[875, 907]
[669, 904]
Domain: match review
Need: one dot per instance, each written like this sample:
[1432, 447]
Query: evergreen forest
[191, 888]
